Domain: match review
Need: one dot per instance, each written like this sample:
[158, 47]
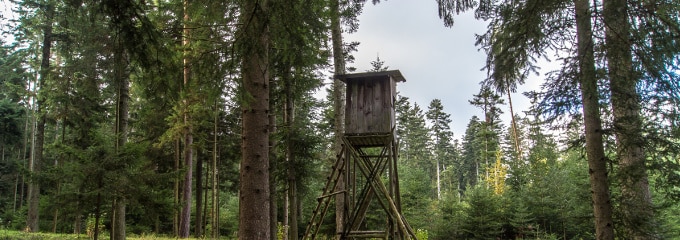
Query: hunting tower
[369, 157]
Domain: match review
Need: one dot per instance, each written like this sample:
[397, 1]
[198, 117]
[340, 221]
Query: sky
[437, 62]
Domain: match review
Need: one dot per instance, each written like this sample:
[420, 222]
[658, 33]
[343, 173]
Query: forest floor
[20, 235]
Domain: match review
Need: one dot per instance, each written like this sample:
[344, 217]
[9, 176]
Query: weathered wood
[369, 124]
[370, 101]
[368, 234]
[367, 193]
[324, 201]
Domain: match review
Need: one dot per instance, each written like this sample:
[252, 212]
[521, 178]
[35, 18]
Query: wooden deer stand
[369, 157]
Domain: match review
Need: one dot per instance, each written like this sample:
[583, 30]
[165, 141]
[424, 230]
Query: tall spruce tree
[517, 37]
[489, 133]
[599, 184]
[338, 88]
[415, 143]
[254, 174]
[442, 143]
[47, 10]
[471, 160]
[636, 198]
[185, 217]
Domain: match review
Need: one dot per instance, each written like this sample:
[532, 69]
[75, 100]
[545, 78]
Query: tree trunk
[254, 222]
[32, 219]
[286, 214]
[439, 182]
[97, 209]
[273, 214]
[76, 222]
[122, 115]
[204, 216]
[198, 220]
[636, 203]
[20, 177]
[597, 161]
[214, 221]
[55, 215]
[175, 215]
[185, 217]
[16, 190]
[518, 148]
[338, 108]
[290, 157]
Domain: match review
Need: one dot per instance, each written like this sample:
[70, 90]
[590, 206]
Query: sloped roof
[394, 74]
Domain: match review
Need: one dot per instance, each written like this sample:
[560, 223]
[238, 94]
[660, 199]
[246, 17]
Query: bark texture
[636, 201]
[254, 221]
[32, 219]
[338, 108]
[185, 216]
[122, 115]
[597, 161]
[290, 157]
[273, 213]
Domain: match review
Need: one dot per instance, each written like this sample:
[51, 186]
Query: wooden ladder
[324, 200]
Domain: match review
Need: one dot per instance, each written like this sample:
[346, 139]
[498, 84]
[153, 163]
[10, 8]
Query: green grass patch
[20, 235]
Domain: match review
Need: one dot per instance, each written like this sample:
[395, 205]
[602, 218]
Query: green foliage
[13, 220]
[15, 76]
[669, 219]
[82, 171]
[378, 65]
[484, 214]
[229, 216]
[444, 151]
[11, 115]
[415, 204]
[453, 214]
[521, 220]
[471, 163]
[414, 136]
[91, 225]
[421, 234]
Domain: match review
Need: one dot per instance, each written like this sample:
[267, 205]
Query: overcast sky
[437, 62]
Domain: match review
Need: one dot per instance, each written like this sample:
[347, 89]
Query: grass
[20, 235]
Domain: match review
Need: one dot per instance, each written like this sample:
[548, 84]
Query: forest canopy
[202, 118]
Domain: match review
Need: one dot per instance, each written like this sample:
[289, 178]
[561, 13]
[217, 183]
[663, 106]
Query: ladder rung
[367, 234]
[331, 194]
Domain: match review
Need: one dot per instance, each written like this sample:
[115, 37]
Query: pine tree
[489, 133]
[338, 88]
[415, 144]
[483, 214]
[636, 197]
[496, 175]
[254, 174]
[516, 38]
[470, 161]
[32, 220]
[443, 149]
[599, 183]
[378, 65]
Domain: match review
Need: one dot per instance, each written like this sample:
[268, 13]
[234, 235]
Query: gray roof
[394, 74]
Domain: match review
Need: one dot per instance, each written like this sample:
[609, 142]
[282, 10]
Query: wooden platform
[369, 140]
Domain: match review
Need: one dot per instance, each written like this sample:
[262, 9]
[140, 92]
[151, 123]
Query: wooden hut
[369, 125]
[370, 102]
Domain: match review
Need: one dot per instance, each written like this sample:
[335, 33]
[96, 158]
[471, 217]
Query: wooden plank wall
[370, 105]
